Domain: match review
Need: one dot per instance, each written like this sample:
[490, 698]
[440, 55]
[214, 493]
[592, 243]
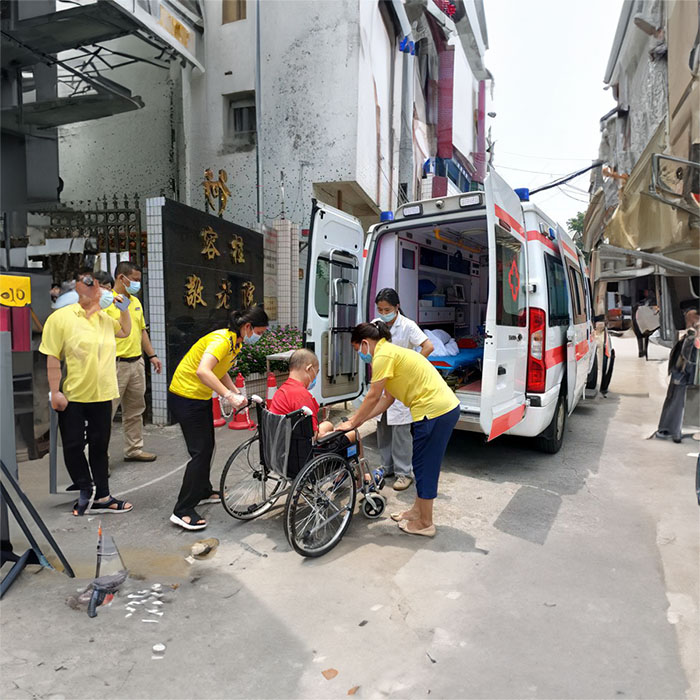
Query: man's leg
[71, 423]
[402, 449]
[133, 406]
[384, 444]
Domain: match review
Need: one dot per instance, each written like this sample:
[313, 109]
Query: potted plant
[252, 359]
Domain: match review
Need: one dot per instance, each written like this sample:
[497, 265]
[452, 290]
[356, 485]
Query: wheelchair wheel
[320, 505]
[247, 487]
[373, 506]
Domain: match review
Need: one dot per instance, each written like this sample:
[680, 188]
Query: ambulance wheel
[373, 505]
[551, 439]
[592, 380]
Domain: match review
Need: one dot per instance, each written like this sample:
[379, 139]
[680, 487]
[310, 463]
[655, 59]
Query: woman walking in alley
[394, 427]
[82, 337]
[398, 373]
[205, 368]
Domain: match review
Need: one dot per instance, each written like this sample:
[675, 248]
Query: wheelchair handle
[254, 399]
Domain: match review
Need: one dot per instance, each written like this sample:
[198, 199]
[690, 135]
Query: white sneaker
[402, 482]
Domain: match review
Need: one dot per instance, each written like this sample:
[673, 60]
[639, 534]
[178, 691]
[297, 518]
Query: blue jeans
[430, 438]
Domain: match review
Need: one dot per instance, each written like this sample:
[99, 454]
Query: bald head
[301, 359]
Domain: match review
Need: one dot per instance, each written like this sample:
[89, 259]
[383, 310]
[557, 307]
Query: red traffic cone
[271, 387]
[216, 407]
[241, 421]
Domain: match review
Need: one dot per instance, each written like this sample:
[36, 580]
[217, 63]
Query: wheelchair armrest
[330, 436]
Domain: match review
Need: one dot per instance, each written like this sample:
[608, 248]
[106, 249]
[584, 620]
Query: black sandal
[196, 522]
[79, 510]
[106, 506]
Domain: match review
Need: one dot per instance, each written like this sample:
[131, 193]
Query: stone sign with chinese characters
[210, 267]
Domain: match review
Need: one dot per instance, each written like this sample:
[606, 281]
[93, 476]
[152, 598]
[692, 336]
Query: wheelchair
[321, 487]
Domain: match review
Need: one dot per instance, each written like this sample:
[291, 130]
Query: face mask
[365, 357]
[312, 383]
[106, 298]
[388, 318]
[251, 339]
[133, 287]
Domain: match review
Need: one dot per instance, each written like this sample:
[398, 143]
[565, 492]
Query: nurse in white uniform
[394, 427]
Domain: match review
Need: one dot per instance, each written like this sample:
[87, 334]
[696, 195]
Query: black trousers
[197, 422]
[95, 420]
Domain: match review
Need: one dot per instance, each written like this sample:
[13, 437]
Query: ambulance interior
[441, 276]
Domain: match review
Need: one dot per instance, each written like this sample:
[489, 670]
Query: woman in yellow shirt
[400, 373]
[82, 336]
[202, 370]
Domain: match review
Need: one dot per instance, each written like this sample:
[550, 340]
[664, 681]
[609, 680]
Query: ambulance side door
[504, 369]
[332, 309]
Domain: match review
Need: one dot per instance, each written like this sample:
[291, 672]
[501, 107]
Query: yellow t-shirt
[130, 346]
[220, 343]
[412, 380]
[88, 348]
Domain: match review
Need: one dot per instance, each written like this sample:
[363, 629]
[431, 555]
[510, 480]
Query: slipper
[425, 532]
[214, 498]
[193, 525]
[105, 507]
[79, 510]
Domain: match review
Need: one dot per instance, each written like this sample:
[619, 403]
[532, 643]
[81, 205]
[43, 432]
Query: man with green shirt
[131, 376]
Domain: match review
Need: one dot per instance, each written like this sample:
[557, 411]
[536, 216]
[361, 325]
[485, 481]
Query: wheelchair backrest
[279, 437]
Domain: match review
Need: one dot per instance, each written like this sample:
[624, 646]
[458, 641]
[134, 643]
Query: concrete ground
[565, 576]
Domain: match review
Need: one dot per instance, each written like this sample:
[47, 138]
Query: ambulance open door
[504, 373]
[332, 307]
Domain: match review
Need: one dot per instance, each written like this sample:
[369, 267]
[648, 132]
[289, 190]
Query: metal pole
[258, 108]
[53, 447]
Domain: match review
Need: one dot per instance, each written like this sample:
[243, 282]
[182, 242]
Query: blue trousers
[430, 438]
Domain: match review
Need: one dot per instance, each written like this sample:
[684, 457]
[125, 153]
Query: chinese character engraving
[216, 193]
[193, 292]
[209, 237]
[224, 296]
[248, 290]
[237, 254]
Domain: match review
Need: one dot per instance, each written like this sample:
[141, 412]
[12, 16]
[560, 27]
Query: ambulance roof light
[523, 194]
[386, 216]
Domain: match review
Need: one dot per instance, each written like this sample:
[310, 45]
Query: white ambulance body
[506, 280]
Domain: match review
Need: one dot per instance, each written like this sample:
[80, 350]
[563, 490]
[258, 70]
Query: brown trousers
[131, 378]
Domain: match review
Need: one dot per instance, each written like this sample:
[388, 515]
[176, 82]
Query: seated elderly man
[293, 395]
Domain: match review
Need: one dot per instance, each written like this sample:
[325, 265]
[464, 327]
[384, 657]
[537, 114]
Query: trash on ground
[203, 548]
[329, 673]
[353, 690]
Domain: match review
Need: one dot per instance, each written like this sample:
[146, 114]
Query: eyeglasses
[87, 280]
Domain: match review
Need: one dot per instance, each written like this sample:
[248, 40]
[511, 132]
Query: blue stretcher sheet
[464, 358]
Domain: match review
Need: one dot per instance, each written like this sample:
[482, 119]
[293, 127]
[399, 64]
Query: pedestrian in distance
[203, 370]
[81, 336]
[399, 373]
[131, 374]
[683, 372]
[394, 427]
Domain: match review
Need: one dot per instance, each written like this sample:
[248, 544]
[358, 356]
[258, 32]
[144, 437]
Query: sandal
[196, 523]
[106, 506]
[214, 498]
[79, 510]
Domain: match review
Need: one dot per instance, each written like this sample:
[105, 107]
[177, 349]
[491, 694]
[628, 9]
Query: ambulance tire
[592, 380]
[550, 440]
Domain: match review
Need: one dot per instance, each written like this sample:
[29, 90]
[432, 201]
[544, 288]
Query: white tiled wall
[287, 271]
[156, 299]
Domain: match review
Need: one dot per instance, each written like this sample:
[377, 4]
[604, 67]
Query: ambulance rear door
[504, 372]
[332, 309]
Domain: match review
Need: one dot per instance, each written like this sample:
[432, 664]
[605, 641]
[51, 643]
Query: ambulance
[494, 276]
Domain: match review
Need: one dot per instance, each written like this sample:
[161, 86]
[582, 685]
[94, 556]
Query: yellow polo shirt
[131, 346]
[412, 380]
[87, 347]
[220, 343]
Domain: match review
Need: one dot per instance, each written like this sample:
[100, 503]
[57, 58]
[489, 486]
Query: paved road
[565, 576]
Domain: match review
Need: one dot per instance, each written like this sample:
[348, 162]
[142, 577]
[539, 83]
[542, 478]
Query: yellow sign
[15, 290]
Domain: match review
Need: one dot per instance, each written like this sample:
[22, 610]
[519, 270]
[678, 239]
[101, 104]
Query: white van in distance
[497, 275]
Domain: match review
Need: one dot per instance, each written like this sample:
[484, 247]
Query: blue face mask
[106, 298]
[133, 287]
[365, 356]
[251, 339]
[312, 384]
[388, 318]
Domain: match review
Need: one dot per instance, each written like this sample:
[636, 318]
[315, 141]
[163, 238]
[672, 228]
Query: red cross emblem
[514, 280]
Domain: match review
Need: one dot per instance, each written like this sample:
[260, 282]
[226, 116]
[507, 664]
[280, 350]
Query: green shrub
[251, 359]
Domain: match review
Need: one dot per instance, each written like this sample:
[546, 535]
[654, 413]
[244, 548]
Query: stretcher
[466, 357]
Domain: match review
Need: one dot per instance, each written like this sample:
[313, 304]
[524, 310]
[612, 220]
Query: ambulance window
[578, 300]
[556, 292]
[510, 280]
[322, 286]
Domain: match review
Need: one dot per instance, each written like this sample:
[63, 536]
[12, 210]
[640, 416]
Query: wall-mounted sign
[15, 290]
